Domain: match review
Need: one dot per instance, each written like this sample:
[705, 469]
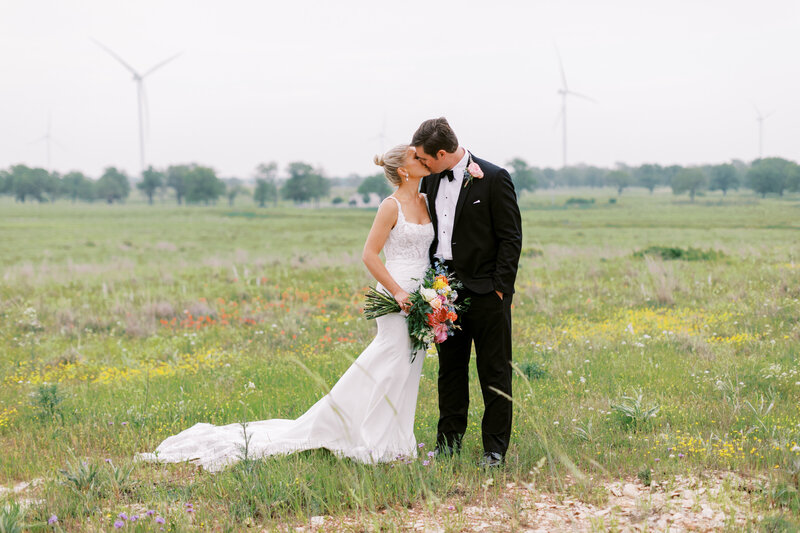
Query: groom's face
[435, 163]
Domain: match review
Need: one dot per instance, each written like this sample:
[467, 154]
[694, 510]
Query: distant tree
[594, 176]
[76, 186]
[549, 177]
[28, 183]
[152, 179]
[53, 186]
[689, 180]
[523, 176]
[376, 184]
[619, 179]
[265, 192]
[304, 183]
[669, 172]
[113, 185]
[202, 185]
[723, 178]
[268, 172]
[176, 180]
[233, 188]
[772, 175]
[648, 176]
[5, 182]
[570, 176]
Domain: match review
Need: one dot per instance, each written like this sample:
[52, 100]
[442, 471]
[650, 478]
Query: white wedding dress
[367, 416]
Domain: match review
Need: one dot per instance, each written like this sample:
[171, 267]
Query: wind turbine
[760, 119]
[565, 92]
[140, 92]
[381, 137]
[49, 140]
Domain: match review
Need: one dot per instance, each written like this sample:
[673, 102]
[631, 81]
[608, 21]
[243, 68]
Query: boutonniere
[473, 171]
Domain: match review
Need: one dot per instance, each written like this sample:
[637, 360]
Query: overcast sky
[318, 81]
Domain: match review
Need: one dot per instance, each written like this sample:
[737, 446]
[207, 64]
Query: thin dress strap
[400, 214]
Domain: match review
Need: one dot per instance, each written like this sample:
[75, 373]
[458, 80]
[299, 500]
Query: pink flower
[440, 333]
[475, 171]
[436, 303]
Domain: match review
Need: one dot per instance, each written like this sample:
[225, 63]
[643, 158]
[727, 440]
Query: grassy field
[121, 325]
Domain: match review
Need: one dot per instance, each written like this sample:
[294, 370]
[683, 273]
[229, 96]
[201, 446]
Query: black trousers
[487, 323]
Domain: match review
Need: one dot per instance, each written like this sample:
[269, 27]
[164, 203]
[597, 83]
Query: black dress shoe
[492, 460]
[444, 451]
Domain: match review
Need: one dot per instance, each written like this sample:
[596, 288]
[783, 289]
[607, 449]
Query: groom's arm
[507, 230]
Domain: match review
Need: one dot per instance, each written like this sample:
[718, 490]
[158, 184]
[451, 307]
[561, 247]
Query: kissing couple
[448, 206]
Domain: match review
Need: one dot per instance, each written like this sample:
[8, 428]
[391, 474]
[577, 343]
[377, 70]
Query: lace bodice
[408, 241]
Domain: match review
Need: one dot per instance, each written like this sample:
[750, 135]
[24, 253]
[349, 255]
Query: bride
[368, 415]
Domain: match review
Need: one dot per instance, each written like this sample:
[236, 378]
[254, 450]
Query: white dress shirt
[446, 200]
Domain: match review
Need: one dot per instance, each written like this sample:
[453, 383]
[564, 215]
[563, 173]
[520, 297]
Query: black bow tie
[448, 174]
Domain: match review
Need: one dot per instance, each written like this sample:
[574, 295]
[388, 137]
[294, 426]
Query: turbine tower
[381, 137]
[760, 119]
[140, 93]
[565, 92]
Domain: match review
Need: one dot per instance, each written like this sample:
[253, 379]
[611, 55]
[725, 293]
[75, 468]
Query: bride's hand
[401, 297]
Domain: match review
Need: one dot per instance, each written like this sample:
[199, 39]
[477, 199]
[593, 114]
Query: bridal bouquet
[433, 312]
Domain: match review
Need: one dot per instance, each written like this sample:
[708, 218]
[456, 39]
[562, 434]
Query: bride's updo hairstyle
[391, 161]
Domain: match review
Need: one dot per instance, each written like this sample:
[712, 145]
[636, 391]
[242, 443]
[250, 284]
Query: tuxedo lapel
[462, 199]
[434, 190]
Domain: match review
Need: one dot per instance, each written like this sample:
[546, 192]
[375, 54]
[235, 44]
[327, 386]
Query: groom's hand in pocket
[499, 294]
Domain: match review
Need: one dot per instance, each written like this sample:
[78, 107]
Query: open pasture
[121, 325]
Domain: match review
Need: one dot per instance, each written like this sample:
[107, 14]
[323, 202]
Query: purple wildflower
[123, 516]
[124, 423]
[421, 445]
[425, 463]
[110, 423]
[53, 519]
[108, 460]
[150, 512]
[134, 518]
[450, 507]
[189, 510]
[431, 453]
[188, 505]
[657, 459]
[118, 524]
[681, 456]
[160, 520]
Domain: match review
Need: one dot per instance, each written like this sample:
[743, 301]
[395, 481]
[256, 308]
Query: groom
[478, 237]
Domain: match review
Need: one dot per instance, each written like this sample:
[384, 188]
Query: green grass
[121, 325]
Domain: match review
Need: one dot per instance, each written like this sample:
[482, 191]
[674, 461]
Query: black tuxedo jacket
[487, 229]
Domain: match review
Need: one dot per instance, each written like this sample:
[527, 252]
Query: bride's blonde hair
[391, 161]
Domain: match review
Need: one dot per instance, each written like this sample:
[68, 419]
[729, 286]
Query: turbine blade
[558, 120]
[57, 143]
[579, 95]
[769, 114]
[115, 56]
[158, 66]
[758, 111]
[561, 66]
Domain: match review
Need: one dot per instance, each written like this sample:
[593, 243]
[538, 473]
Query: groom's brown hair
[434, 135]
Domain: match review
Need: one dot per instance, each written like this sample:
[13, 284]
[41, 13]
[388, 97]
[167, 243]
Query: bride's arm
[383, 224]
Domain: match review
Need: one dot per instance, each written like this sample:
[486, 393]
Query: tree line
[772, 175]
[190, 184]
[198, 184]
